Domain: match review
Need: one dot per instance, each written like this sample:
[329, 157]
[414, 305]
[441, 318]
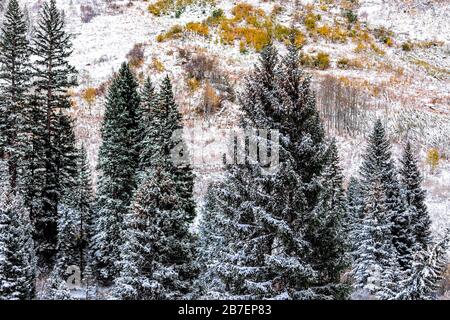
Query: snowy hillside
[394, 80]
[369, 60]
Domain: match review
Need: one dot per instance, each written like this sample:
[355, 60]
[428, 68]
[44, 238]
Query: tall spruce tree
[15, 71]
[330, 247]
[157, 259]
[266, 253]
[75, 216]
[53, 76]
[355, 213]
[163, 145]
[427, 272]
[401, 223]
[117, 164]
[212, 243]
[17, 256]
[65, 157]
[375, 268]
[414, 197]
[83, 204]
[148, 127]
[382, 164]
[377, 258]
[67, 252]
[146, 260]
[69, 232]
[301, 122]
[31, 178]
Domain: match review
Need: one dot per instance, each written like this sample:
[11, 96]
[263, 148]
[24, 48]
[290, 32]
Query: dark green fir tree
[414, 197]
[53, 76]
[158, 256]
[17, 252]
[263, 223]
[118, 162]
[15, 71]
[331, 246]
[377, 259]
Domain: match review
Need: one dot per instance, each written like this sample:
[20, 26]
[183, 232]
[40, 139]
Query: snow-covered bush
[136, 55]
[87, 13]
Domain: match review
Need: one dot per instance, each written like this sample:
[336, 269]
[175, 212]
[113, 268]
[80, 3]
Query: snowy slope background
[102, 43]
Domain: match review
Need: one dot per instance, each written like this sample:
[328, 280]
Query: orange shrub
[174, 32]
[283, 33]
[324, 31]
[193, 84]
[389, 42]
[335, 33]
[407, 46]
[276, 10]
[377, 50]
[345, 63]
[310, 21]
[198, 28]
[360, 47]
[89, 95]
[249, 14]
[159, 7]
[253, 37]
[322, 60]
[211, 102]
[433, 158]
[319, 61]
[157, 65]
[306, 60]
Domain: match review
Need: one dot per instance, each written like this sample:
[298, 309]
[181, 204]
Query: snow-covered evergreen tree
[17, 256]
[56, 287]
[426, 273]
[90, 283]
[15, 73]
[330, 247]
[143, 274]
[117, 164]
[83, 204]
[31, 178]
[75, 220]
[382, 164]
[158, 256]
[376, 259]
[212, 243]
[300, 121]
[414, 197]
[176, 150]
[263, 220]
[355, 214]
[162, 143]
[65, 157]
[375, 266]
[68, 225]
[149, 122]
[53, 76]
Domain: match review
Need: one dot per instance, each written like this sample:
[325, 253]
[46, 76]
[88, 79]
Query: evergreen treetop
[378, 167]
[118, 161]
[52, 47]
[414, 197]
[15, 77]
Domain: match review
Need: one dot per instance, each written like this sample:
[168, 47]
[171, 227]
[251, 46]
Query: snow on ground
[412, 19]
[101, 45]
